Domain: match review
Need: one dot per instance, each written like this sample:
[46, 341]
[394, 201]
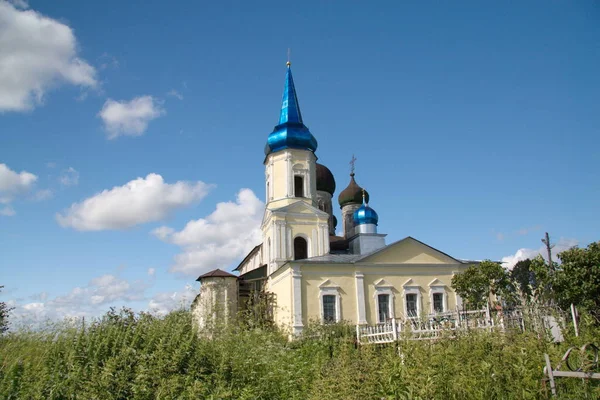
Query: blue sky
[132, 133]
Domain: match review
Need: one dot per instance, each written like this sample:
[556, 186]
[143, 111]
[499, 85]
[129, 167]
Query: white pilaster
[297, 299]
[360, 298]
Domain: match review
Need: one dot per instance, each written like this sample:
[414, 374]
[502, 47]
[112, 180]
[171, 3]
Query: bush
[140, 356]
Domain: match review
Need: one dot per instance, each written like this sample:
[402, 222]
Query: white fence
[425, 328]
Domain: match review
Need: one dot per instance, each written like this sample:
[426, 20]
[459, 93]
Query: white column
[360, 298]
[289, 255]
[314, 243]
[297, 299]
[275, 229]
[288, 174]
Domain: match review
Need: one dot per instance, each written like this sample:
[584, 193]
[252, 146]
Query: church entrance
[300, 248]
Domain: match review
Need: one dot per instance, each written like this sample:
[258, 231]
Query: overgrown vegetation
[575, 280]
[129, 356]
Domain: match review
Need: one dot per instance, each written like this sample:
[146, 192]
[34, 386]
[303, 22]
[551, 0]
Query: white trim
[360, 298]
[330, 288]
[442, 290]
[383, 287]
[410, 288]
[297, 299]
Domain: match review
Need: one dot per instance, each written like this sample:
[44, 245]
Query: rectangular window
[411, 305]
[329, 308]
[438, 302]
[383, 304]
[298, 186]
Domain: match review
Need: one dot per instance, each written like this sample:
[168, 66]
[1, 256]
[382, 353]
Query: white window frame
[330, 288]
[437, 286]
[438, 290]
[382, 287]
[410, 288]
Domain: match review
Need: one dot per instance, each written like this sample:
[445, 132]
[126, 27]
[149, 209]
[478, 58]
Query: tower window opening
[298, 186]
[300, 248]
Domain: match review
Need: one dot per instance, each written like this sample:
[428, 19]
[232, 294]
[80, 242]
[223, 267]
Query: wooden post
[394, 329]
[550, 375]
[574, 315]
[357, 333]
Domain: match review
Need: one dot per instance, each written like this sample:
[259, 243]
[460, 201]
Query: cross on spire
[352, 164]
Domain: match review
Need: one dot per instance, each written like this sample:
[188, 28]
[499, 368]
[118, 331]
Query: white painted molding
[297, 298]
[360, 298]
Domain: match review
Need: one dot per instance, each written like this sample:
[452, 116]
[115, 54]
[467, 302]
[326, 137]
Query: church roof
[325, 179]
[353, 194]
[291, 131]
[354, 258]
[216, 273]
[252, 252]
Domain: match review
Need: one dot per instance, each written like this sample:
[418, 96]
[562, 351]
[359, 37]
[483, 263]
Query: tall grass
[128, 356]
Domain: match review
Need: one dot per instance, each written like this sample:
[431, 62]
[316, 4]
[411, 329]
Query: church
[310, 273]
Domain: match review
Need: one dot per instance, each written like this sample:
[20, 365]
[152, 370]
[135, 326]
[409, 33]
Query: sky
[132, 134]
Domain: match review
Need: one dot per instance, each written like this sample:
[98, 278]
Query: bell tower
[293, 227]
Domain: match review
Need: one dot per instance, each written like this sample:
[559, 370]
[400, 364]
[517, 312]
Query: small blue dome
[365, 215]
[291, 131]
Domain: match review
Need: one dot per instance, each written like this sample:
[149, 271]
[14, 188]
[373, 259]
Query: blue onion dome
[325, 179]
[365, 215]
[353, 194]
[291, 131]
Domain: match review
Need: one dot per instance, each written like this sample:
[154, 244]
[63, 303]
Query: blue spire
[291, 131]
[290, 109]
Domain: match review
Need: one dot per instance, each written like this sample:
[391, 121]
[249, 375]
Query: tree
[478, 282]
[4, 311]
[577, 280]
[523, 277]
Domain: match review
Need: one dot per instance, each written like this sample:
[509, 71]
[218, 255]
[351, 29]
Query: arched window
[300, 248]
[298, 186]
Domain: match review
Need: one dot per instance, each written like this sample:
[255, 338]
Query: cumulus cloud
[138, 201]
[13, 184]
[129, 118]
[221, 238]
[37, 53]
[163, 303]
[525, 253]
[69, 177]
[82, 301]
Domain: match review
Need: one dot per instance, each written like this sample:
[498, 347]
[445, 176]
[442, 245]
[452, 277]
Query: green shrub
[140, 356]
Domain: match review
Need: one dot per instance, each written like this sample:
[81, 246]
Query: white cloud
[22, 4]
[13, 184]
[43, 194]
[129, 118]
[151, 271]
[138, 201]
[524, 253]
[37, 53]
[221, 238]
[69, 177]
[163, 303]
[87, 301]
[175, 93]
[7, 211]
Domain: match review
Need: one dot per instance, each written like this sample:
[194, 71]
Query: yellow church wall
[410, 252]
[343, 276]
[420, 277]
[315, 275]
[280, 284]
